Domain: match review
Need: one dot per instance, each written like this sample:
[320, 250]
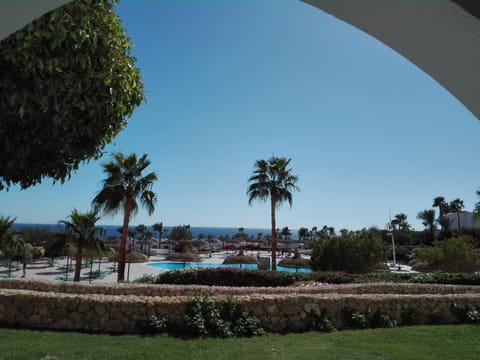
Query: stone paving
[42, 270]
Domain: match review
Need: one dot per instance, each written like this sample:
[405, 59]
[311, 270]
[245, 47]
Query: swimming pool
[171, 265]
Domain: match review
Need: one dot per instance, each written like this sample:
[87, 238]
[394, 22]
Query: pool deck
[40, 270]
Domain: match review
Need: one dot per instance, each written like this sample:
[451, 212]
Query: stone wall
[123, 308]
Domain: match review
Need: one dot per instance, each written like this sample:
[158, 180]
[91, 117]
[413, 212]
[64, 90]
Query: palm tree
[158, 227]
[11, 245]
[272, 180]
[123, 186]
[428, 220]
[302, 233]
[457, 206]
[82, 233]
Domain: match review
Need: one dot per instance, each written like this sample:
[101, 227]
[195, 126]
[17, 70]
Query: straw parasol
[295, 262]
[240, 259]
[186, 256]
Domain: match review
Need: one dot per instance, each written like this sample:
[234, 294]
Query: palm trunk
[123, 243]
[274, 234]
[78, 264]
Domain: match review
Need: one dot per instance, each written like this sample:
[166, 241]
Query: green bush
[447, 278]
[352, 253]
[221, 277]
[353, 319]
[207, 318]
[456, 254]
[319, 322]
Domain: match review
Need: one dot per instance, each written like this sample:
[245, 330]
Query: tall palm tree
[124, 185]
[83, 234]
[457, 206]
[428, 220]
[272, 179]
[158, 227]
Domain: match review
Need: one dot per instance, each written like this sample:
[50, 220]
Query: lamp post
[390, 228]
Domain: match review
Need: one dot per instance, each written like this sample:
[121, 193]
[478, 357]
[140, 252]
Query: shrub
[447, 278]
[221, 277]
[207, 318]
[456, 254]
[353, 319]
[353, 253]
[319, 322]
[380, 320]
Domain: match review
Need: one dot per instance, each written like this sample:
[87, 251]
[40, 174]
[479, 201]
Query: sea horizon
[112, 230]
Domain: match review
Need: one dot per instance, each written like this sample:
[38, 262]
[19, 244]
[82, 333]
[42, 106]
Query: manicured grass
[420, 342]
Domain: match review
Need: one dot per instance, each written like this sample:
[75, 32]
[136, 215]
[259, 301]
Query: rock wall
[126, 308]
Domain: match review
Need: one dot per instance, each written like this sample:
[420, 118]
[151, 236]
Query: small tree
[456, 254]
[83, 234]
[353, 253]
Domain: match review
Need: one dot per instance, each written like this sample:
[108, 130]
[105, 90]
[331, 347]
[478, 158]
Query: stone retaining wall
[122, 308]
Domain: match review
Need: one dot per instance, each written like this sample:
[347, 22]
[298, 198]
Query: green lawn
[421, 342]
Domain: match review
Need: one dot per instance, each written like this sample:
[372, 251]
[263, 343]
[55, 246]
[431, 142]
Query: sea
[112, 230]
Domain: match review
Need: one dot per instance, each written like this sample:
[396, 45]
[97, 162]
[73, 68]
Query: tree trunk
[274, 234]
[78, 264]
[458, 220]
[123, 243]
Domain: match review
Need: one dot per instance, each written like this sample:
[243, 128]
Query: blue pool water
[170, 265]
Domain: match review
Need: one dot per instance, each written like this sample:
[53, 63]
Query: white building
[467, 220]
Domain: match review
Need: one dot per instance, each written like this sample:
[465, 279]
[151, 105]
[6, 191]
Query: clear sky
[230, 82]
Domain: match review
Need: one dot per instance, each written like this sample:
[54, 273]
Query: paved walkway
[42, 270]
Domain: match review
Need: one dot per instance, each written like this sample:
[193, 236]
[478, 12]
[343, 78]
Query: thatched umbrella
[186, 256]
[295, 262]
[241, 259]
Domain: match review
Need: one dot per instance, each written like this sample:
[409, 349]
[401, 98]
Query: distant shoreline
[111, 230]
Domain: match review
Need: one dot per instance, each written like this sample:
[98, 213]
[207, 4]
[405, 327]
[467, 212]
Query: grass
[419, 342]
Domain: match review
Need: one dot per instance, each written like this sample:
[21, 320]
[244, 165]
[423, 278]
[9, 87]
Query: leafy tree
[124, 185]
[83, 234]
[180, 232]
[68, 83]
[272, 179]
[428, 220]
[456, 254]
[351, 252]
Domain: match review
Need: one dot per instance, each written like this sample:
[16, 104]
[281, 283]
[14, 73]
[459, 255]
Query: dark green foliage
[207, 318]
[221, 277]
[350, 252]
[319, 322]
[68, 83]
[380, 320]
[447, 278]
[329, 277]
[180, 232]
[466, 314]
[352, 319]
[376, 277]
[456, 254]
[411, 316]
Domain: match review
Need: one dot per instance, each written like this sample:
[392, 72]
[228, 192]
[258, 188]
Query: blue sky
[230, 82]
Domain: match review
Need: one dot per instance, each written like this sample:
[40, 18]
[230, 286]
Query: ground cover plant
[207, 318]
[425, 342]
